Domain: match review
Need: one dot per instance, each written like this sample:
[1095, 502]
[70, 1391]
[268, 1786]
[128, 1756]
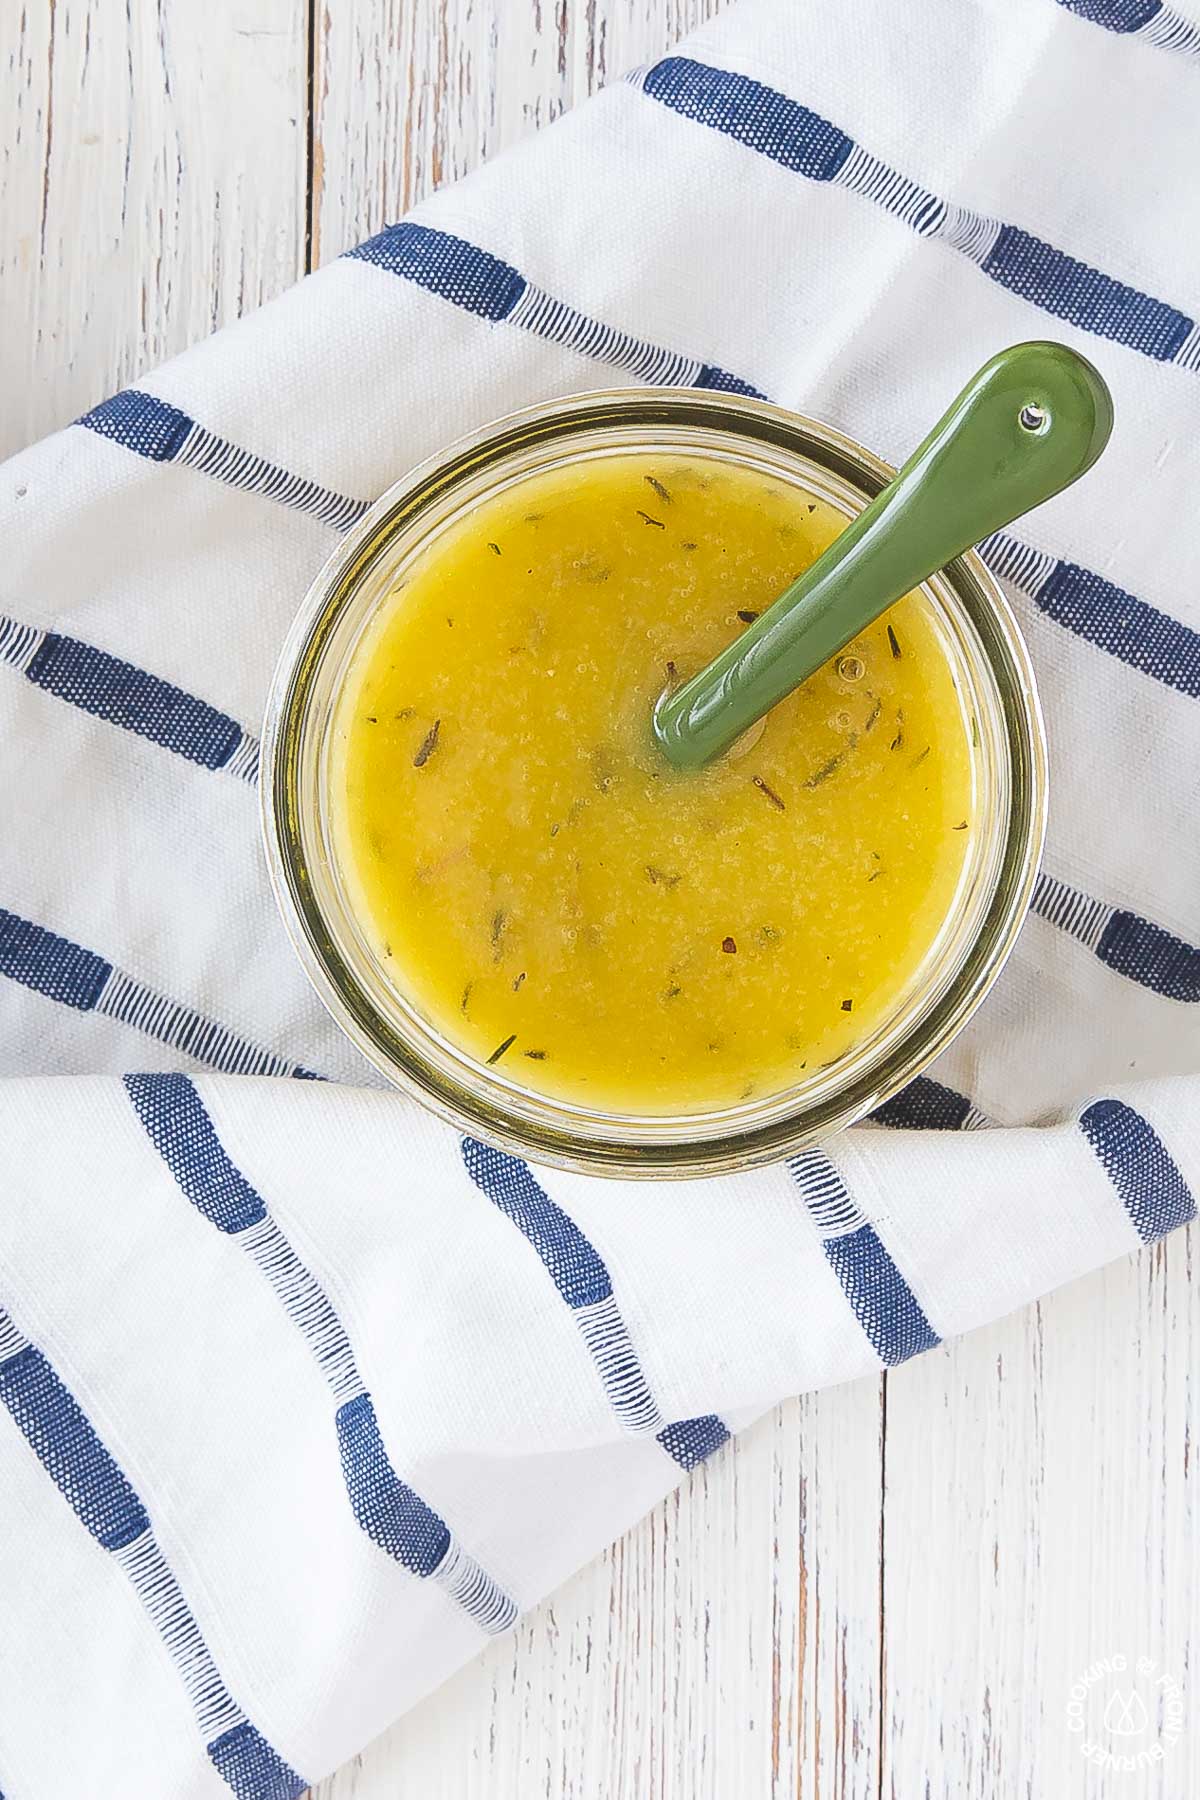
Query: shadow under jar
[511, 904]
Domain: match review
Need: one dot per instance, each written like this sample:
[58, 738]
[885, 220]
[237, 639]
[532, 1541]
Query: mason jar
[991, 668]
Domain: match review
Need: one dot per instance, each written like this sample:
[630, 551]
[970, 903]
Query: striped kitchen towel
[301, 1397]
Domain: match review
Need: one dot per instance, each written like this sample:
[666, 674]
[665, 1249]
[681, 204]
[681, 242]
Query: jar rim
[475, 1101]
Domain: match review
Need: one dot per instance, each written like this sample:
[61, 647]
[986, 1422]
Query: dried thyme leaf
[673, 992]
[874, 876]
[826, 770]
[535, 1055]
[658, 877]
[532, 519]
[498, 1052]
[873, 715]
[466, 998]
[834, 764]
[499, 923]
[372, 718]
[961, 827]
[657, 523]
[918, 760]
[428, 746]
[894, 641]
[518, 981]
[689, 544]
[405, 712]
[729, 946]
[847, 1005]
[747, 615]
[495, 547]
[765, 788]
[659, 489]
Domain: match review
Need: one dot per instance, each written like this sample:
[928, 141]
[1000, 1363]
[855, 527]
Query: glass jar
[990, 664]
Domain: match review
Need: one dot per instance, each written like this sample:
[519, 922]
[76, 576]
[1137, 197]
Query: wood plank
[1042, 1514]
[728, 1646]
[411, 94]
[153, 173]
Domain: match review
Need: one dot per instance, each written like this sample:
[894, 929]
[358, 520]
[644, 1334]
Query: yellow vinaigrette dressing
[555, 898]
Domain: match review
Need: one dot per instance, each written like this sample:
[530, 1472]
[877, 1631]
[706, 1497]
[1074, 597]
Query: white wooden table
[885, 1590]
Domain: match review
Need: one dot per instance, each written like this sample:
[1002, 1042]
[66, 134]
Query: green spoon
[1027, 425]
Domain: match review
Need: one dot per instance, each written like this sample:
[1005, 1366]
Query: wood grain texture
[727, 1647]
[153, 162]
[1043, 1515]
[411, 94]
[886, 1592]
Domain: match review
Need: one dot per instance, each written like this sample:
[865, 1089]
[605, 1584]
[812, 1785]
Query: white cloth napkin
[301, 1397]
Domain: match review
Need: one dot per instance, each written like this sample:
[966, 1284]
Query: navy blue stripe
[780, 128]
[391, 1514]
[67, 972]
[689, 1441]
[49, 964]
[127, 696]
[1148, 1181]
[723, 382]
[924, 1105]
[579, 1273]
[141, 423]
[1083, 296]
[155, 429]
[757, 116]
[1137, 633]
[247, 1764]
[883, 1303]
[576, 1269]
[448, 266]
[183, 1134]
[1149, 954]
[1115, 15]
[68, 1448]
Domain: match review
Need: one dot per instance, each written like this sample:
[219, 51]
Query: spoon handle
[1029, 423]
